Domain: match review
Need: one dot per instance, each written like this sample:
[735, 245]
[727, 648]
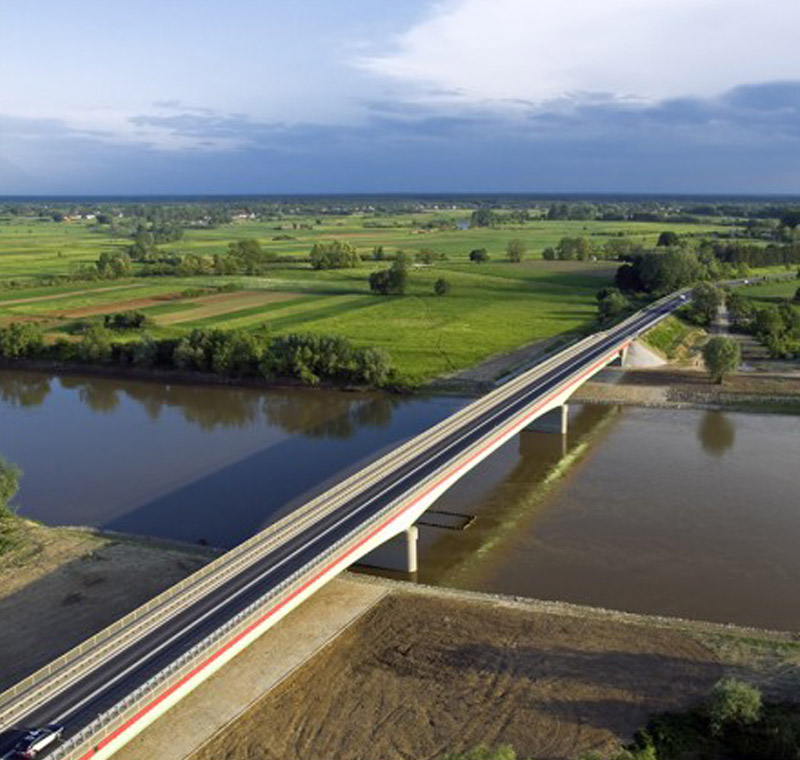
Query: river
[687, 513]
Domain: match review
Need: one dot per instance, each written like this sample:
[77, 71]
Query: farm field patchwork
[492, 308]
[34, 248]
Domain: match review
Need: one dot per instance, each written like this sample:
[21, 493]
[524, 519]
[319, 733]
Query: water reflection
[189, 462]
[23, 388]
[315, 414]
[716, 433]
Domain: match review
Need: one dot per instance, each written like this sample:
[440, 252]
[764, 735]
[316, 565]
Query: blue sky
[322, 96]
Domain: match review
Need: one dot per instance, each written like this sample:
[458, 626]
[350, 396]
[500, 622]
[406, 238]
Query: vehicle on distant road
[30, 745]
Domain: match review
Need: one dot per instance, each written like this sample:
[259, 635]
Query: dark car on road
[34, 741]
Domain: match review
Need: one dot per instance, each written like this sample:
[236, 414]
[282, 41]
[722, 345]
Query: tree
[796, 298]
[515, 250]
[740, 311]
[249, 256]
[484, 217]
[20, 339]
[441, 287]
[570, 248]
[373, 366]
[611, 303]
[479, 255]
[721, 355]
[790, 218]
[334, 255]
[668, 238]
[95, 346]
[392, 281]
[734, 703]
[706, 301]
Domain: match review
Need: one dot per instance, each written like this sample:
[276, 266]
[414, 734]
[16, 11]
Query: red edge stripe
[148, 708]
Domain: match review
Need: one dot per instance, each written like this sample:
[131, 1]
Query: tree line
[308, 358]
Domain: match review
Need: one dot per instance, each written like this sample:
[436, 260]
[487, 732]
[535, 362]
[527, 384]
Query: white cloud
[500, 52]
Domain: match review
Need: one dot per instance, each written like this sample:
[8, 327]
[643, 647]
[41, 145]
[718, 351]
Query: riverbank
[60, 586]
[688, 388]
[427, 670]
[376, 668]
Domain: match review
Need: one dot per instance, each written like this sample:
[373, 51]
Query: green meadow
[492, 307]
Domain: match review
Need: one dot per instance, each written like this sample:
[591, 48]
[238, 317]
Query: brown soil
[224, 303]
[59, 586]
[419, 676]
[115, 306]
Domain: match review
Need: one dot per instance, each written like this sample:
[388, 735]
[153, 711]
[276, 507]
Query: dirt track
[417, 677]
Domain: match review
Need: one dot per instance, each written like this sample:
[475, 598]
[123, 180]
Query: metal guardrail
[58, 674]
[103, 645]
[105, 725]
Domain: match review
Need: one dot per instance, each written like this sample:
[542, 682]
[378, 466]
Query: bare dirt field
[419, 676]
[59, 586]
[116, 306]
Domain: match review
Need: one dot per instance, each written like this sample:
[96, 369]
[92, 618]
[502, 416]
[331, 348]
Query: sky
[371, 96]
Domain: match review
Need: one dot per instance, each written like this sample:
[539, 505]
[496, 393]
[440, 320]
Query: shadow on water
[716, 433]
[210, 463]
[510, 498]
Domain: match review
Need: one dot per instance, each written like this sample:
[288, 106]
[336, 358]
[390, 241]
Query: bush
[479, 255]
[515, 250]
[335, 255]
[482, 752]
[20, 340]
[9, 484]
[733, 703]
[95, 346]
[392, 281]
[441, 287]
[126, 320]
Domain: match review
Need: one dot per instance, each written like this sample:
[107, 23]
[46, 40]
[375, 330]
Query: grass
[31, 248]
[672, 337]
[491, 308]
[772, 292]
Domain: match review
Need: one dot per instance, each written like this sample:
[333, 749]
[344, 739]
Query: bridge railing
[26, 694]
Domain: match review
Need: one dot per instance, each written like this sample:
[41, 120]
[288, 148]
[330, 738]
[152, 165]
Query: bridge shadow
[229, 505]
[80, 597]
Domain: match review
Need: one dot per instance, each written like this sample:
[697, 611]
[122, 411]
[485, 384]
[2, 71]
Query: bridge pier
[412, 534]
[554, 421]
[621, 359]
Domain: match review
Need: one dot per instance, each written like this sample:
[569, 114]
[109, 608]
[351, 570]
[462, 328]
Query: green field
[35, 247]
[772, 292]
[492, 308]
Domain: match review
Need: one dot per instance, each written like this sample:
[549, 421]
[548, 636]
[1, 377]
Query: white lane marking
[73, 708]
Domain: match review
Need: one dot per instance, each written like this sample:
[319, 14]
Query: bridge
[113, 685]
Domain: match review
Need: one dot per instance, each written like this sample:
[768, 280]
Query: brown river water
[687, 513]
